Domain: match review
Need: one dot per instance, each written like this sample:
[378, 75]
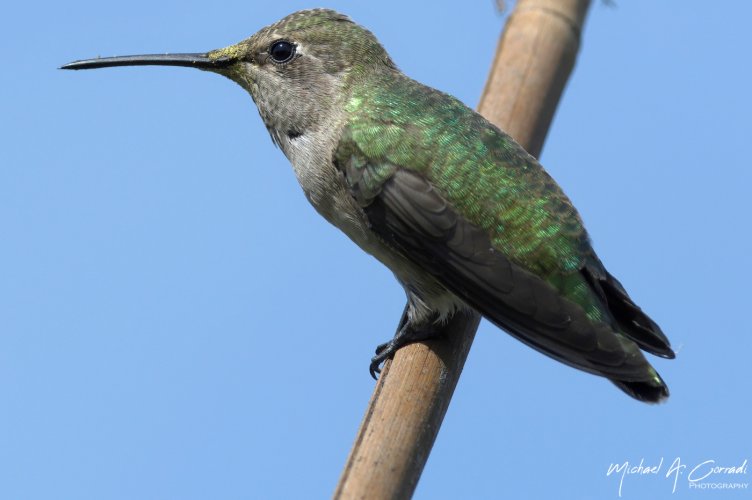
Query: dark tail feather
[654, 391]
[633, 323]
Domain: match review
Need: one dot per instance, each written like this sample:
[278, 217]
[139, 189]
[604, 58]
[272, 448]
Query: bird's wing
[407, 211]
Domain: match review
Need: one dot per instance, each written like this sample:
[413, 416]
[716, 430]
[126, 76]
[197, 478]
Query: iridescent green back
[484, 173]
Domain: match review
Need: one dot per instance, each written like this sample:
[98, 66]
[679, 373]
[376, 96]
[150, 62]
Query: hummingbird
[461, 214]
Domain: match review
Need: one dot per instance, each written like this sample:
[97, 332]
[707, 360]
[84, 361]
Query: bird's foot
[407, 334]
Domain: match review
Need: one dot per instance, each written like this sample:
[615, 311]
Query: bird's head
[295, 69]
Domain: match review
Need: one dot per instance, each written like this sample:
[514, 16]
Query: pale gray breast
[311, 156]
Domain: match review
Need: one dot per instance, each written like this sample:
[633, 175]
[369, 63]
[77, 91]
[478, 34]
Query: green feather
[480, 170]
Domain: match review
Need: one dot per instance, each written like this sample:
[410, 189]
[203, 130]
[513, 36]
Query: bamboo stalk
[534, 58]
[535, 55]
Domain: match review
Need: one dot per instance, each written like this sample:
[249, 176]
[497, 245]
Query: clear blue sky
[177, 322]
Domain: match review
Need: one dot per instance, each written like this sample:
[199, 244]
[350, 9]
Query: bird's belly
[426, 294]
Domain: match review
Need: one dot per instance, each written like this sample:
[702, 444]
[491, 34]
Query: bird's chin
[242, 74]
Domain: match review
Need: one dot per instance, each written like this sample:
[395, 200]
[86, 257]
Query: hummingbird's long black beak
[199, 61]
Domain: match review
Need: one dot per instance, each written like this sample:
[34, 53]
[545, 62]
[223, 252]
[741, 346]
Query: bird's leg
[407, 333]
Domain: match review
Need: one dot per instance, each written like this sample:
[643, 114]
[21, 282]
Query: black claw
[406, 334]
[383, 352]
[375, 369]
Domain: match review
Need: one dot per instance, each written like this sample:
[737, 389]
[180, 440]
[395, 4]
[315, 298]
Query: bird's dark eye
[282, 51]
